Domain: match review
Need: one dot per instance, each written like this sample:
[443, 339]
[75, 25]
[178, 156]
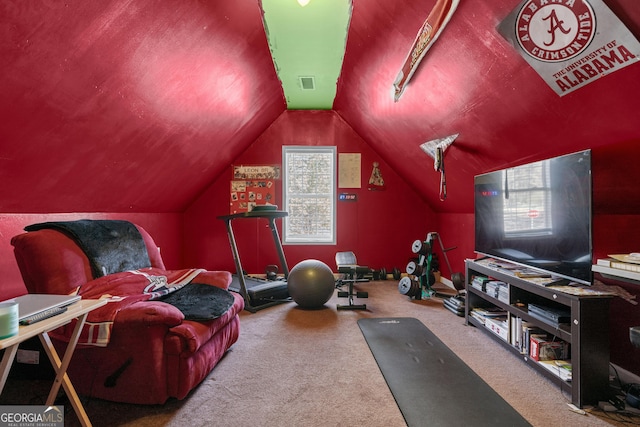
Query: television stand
[586, 330]
[258, 293]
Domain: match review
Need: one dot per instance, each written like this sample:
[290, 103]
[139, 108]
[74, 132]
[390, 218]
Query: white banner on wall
[570, 43]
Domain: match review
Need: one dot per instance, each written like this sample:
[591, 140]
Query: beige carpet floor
[295, 367]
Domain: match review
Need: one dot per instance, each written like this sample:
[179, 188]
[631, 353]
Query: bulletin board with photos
[252, 186]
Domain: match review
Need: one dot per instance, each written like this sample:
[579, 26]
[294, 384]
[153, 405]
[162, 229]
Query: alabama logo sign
[570, 43]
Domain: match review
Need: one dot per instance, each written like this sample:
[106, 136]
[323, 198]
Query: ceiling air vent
[307, 83]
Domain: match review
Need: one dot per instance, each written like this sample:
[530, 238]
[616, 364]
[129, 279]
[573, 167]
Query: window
[309, 188]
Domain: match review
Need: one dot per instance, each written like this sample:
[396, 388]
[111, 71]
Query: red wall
[456, 232]
[616, 229]
[379, 227]
[166, 230]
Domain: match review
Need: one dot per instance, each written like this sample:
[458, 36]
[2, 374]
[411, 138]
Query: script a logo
[555, 30]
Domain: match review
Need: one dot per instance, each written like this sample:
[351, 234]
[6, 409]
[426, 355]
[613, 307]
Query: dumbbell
[271, 271]
[382, 274]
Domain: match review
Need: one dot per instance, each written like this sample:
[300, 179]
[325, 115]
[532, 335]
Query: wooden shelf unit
[587, 334]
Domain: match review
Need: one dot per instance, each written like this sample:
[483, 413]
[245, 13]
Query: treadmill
[258, 293]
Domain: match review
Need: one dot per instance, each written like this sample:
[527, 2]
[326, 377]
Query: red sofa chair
[147, 352]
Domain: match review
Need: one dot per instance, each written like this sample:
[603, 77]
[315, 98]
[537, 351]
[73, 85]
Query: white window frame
[288, 236]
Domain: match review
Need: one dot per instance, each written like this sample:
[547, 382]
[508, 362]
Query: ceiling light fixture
[303, 3]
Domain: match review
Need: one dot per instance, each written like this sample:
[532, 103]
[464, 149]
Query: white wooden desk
[78, 310]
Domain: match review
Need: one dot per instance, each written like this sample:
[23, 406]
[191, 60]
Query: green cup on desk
[8, 319]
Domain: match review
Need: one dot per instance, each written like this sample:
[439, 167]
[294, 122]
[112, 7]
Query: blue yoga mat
[431, 385]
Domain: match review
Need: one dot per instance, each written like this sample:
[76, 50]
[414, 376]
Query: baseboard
[447, 282]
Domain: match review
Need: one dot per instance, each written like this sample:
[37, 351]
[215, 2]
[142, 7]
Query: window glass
[309, 187]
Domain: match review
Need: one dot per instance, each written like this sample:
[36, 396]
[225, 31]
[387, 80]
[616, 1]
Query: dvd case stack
[455, 304]
[479, 283]
[498, 290]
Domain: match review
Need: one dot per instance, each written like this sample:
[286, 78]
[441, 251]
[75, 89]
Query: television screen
[538, 215]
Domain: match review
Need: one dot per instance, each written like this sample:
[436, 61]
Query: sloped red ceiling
[137, 106]
[472, 82]
[116, 106]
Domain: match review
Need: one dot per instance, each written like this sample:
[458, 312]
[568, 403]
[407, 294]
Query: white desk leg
[61, 371]
[5, 366]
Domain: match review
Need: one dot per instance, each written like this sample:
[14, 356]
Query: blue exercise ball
[311, 283]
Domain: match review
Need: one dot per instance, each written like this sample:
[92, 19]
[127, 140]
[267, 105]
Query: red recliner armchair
[137, 350]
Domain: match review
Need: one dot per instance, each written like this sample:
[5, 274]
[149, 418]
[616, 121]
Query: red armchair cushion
[51, 262]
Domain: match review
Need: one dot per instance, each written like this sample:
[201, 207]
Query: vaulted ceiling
[307, 41]
[138, 105]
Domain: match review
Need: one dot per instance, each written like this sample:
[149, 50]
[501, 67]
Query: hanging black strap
[440, 167]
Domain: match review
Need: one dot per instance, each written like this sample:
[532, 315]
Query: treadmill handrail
[271, 215]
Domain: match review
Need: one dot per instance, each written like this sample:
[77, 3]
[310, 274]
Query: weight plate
[416, 247]
[404, 286]
[411, 267]
[458, 281]
[408, 287]
[396, 273]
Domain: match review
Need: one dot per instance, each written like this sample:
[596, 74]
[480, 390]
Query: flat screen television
[538, 215]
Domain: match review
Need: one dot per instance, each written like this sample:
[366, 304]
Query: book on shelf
[482, 314]
[499, 326]
[490, 311]
[620, 262]
[633, 258]
[521, 333]
[561, 368]
[516, 331]
[529, 331]
[605, 262]
[477, 316]
[519, 327]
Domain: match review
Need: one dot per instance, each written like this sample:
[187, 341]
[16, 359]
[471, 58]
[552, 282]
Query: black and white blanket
[112, 246]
